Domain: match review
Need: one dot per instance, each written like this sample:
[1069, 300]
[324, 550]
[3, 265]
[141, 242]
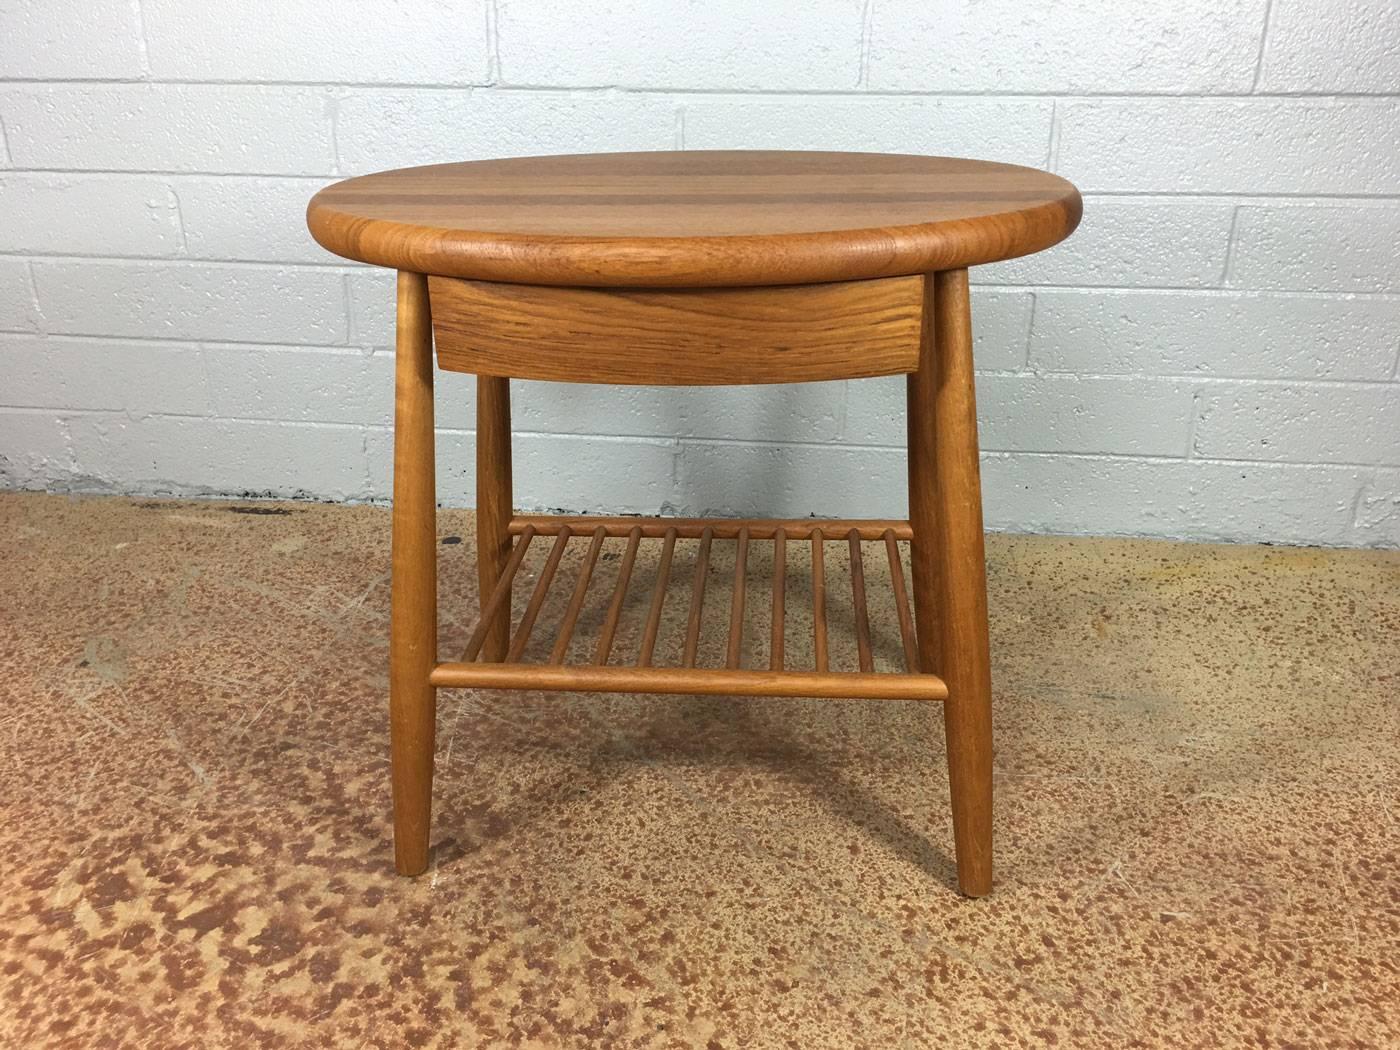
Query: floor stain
[260, 509]
[106, 658]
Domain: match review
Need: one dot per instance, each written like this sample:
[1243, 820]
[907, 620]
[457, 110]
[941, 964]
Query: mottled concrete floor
[1197, 765]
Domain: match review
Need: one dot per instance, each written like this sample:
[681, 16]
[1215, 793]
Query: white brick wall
[1176, 48]
[312, 41]
[1215, 354]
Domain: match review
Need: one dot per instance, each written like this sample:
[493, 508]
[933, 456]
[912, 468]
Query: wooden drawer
[687, 336]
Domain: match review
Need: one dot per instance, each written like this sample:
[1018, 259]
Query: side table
[694, 268]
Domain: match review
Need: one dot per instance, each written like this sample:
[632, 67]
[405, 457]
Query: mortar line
[333, 122]
[1263, 43]
[174, 342]
[343, 266]
[1204, 291]
[352, 329]
[169, 173]
[844, 408]
[867, 28]
[5, 148]
[666, 442]
[62, 422]
[180, 220]
[1192, 424]
[201, 357]
[1357, 500]
[1030, 334]
[738, 94]
[39, 317]
[991, 452]
[1244, 196]
[365, 464]
[142, 43]
[339, 265]
[1288, 198]
[1230, 239]
[384, 349]
[493, 43]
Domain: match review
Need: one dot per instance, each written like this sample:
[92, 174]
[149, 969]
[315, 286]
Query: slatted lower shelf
[608, 669]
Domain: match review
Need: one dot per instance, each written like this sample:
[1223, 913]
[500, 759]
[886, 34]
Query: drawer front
[686, 336]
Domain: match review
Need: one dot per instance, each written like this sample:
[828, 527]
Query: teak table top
[697, 219]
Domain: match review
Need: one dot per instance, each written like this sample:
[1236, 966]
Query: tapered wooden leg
[494, 501]
[413, 598]
[946, 506]
[923, 547]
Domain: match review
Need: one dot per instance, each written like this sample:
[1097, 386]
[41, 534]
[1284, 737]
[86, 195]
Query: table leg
[494, 503]
[950, 584]
[413, 590]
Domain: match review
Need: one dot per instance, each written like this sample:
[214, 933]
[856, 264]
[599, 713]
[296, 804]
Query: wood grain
[735, 650]
[723, 528]
[691, 655]
[703, 681]
[697, 599]
[901, 604]
[778, 629]
[566, 628]
[494, 502]
[695, 268]
[658, 598]
[537, 596]
[819, 654]
[920, 394]
[693, 336]
[413, 581]
[860, 613]
[624, 577]
[498, 602]
[962, 577]
[694, 218]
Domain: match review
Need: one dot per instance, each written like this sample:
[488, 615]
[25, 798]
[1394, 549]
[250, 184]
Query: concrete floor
[1198, 753]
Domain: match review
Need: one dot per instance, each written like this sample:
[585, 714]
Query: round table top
[698, 219]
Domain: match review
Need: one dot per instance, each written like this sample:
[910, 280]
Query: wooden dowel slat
[658, 598]
[862, 615]
[736, 606]
[901, 604]
[532, 610]
[775, 660]
[701, 681]
[697, 599]
[818, 601]
[619, 598]
[498, 596]
[637, 531]
[723, 528]
[566, 629]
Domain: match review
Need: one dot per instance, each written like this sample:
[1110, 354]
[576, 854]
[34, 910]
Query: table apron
[679, 336]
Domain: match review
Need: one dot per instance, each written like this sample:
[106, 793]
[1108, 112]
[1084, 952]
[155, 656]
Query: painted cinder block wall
[1213, 355]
